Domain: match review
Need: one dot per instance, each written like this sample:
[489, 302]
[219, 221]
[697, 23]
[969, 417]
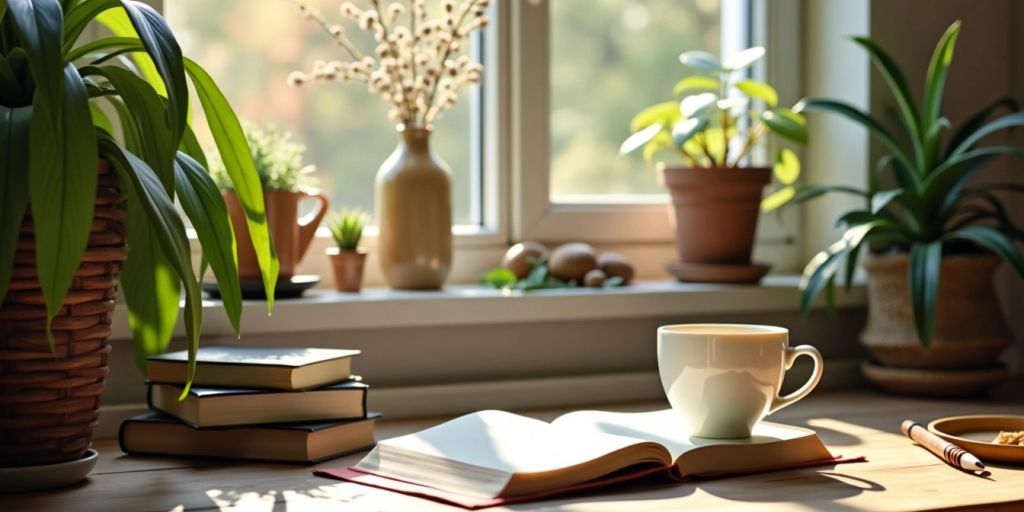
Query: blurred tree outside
[610, 59]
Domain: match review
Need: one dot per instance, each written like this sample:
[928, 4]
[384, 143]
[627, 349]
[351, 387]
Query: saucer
[976, 433]
[49, 476]
[715, 273]
[252, 289]
[940, 383]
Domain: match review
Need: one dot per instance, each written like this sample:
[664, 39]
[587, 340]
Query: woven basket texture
[49, 400]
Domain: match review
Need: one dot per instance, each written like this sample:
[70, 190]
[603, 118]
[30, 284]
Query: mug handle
[791, 354]
[309, 223]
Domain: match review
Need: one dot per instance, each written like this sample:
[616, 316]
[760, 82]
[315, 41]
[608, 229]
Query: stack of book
[286, 405]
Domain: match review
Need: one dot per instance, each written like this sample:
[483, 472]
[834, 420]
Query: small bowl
[976, 433]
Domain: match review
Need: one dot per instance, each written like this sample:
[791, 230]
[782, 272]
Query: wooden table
[897, 476]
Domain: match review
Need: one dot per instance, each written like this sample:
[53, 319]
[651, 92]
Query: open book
[493, 457]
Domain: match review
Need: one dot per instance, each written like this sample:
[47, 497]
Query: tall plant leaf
[169, 232]
[39, 25]
[994, 240]
[204, 205]
[234, 151]
[924, 273]
[62, 189]
[823, 266]
[14, 126]
[893, 76]
[79, 17]
[935, 80]
[1007, 121]
[976, 121]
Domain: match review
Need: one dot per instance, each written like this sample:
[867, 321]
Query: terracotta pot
[970, 331]
[348, 268]
[290, 234]
[49, 401]
[715, 212]
[414, 214]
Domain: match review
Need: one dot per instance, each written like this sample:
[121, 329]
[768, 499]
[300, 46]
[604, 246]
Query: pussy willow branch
[428, 117]
[396, 74]
[319, 19]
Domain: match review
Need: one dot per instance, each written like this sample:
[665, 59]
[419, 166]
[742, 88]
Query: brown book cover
[224, 407]
[254, 367]
[158, 434]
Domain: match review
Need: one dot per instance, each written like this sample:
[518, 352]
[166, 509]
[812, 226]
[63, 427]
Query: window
[610, 59]
[250, 48]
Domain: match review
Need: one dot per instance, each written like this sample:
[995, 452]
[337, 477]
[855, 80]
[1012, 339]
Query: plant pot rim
[872, 260]
[687, 177]
[689, 168]
[335, 251]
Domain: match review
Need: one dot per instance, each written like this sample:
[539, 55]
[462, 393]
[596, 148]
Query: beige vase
[414, 214]
[970, 331]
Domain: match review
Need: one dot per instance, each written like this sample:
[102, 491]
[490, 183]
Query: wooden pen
[949, 452]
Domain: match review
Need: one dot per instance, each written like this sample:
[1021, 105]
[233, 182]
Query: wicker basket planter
[49, 401]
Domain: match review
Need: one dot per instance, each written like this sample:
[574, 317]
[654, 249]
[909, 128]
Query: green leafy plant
[706, 128]
[347, 228]
[278, 161]
[539, 278]
[919, 199]
[53, 127]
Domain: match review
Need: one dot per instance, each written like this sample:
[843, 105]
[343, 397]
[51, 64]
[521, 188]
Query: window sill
[474, 305]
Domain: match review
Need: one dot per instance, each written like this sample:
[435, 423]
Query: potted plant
[84, 206]
[933, 238]
[418, 65]
[716, 192]
[286, 182]
[347, 259]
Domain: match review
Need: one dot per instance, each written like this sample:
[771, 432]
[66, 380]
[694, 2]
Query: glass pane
[250, 47]
[609, 60]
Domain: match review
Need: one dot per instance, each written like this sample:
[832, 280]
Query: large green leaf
[204, 205]
[935, 80]
[903, 172]
[14, 127]
[665, 114]
[237, 159]
[169, 231]
[79, 17]
[994, 240]
[149, 116]
[822, 267]
[62, 189]
[191, 147]
[977, 120]
[152, 289]
[1007, 121]
[702, 61]
[696, 83]
[787, 166]
[787, 124]
[943, 185]
[893, 76]
[923, 275]
[759, 90]
[105, 48]
[39, 26]
[640, 138]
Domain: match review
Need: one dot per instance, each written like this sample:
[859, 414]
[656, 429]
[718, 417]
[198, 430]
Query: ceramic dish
[50, 476]
[976, 433]
[711, 273]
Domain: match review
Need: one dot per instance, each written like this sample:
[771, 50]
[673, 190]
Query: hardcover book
[251, 367]
[158, 434]
[220, 407]
[493, 457]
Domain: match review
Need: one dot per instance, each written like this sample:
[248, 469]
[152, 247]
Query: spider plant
[919, 198]
[55, 93]
[347, 228]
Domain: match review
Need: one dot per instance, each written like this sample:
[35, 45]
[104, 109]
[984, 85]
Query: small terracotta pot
[715, 212]
[291, 235]
[348, 268]
[970, 331]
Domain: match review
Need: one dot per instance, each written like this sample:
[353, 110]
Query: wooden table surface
[897, 476]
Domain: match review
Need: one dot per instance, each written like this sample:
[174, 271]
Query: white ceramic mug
[724, 378]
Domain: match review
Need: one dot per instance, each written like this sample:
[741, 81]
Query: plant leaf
[994, 240]
[14, 167]
[976, 121]
[237, 159]
[759, 90]
[202, 202]
[499, 278]
[640, 138]
[924, 273]
[167, 228]
[1007, 121]
[935, 80]
[787, 124]
[665, 114]
[787, 167]
[697, 104]
[702, 61]
[696, 83]
[881, 199]
[822, 266]
[778, 199]
[744, 59]
[684, 130]
[893, 76]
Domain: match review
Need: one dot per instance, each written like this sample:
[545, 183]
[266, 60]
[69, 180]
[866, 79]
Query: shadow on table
[817, 486]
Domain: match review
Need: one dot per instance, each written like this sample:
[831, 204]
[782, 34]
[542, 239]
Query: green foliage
[278, 161]
[705, 128]
[539, 278]
[347, 228]
[927, 204]
[52, 130]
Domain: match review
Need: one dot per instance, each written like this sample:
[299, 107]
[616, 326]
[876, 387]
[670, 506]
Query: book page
[667, 429]
[508, 443]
